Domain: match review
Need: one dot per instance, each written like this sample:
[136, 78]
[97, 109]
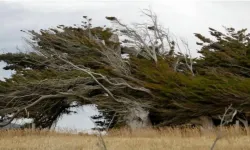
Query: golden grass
[123, 139]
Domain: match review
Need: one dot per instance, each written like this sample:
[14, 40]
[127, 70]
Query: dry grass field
[147, 139]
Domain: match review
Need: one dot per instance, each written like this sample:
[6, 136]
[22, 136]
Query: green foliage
[221, 79]
[196, 96]
[230, 52]
[18, 61]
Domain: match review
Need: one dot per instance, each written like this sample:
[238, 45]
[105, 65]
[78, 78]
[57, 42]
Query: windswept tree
[229, 53]
[69, 64]
[160, 84]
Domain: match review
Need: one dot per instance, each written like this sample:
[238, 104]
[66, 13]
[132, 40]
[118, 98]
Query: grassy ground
[164, 139]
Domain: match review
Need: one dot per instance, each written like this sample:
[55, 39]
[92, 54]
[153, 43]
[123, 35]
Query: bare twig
[111, 122]
[215, 141]
[149, 38]
[188, 52]
[226, 118]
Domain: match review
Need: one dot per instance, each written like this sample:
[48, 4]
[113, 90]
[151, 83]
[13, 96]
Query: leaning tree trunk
[138, 118]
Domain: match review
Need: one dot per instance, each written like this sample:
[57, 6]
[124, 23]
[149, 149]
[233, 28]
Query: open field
[164, 139]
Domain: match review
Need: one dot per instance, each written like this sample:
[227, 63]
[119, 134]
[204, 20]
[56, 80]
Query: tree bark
[138, 118]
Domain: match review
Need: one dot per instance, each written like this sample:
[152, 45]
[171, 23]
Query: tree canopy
[83, 64]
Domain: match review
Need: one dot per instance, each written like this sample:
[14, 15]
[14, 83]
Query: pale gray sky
[183, 18]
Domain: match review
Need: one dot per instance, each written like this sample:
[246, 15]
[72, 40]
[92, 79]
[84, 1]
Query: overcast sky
[183, 18]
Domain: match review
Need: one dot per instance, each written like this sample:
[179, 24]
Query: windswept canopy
[83, 65]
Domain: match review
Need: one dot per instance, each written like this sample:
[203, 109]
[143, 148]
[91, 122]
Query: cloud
[4, 73]
[28, 15]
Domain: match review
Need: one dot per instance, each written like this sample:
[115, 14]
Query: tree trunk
[138, 118]
[237, 126]
[33, 126]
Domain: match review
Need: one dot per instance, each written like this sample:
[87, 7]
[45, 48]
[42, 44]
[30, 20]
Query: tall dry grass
[123, 139]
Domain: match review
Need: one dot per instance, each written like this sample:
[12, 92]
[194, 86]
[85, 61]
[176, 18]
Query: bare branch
[226, 118]
[19, 110]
